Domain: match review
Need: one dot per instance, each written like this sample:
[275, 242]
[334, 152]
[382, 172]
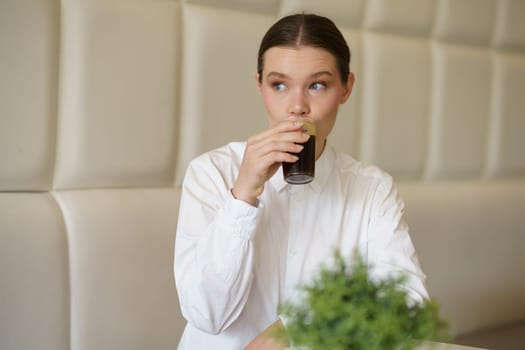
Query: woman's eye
[278, 86]
[318, 86]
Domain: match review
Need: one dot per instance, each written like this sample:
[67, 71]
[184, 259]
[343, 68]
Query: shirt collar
[323, 168]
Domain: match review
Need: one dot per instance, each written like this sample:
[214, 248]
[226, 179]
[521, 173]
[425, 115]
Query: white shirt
[235, 263]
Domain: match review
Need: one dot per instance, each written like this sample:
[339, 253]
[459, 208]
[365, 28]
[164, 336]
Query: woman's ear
[258, 81]
[348, 87]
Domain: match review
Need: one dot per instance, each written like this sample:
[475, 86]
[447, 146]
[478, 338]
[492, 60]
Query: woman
[245, 238]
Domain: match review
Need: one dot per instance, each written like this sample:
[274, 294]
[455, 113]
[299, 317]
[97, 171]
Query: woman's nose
[299, 104]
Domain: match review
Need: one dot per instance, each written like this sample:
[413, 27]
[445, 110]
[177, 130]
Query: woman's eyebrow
[284, 76]
[277, 75]
[318, 74]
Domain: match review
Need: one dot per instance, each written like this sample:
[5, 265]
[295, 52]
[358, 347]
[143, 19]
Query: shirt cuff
[239, 217]
[283, 319]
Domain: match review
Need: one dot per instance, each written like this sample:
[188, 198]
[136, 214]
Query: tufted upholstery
[103, 104]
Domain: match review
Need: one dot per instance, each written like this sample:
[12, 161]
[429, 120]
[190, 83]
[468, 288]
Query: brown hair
[307, 30]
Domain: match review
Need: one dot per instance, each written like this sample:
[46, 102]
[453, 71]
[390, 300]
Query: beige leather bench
[103, 103]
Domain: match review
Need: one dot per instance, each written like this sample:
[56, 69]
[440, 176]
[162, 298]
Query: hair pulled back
[307, 30]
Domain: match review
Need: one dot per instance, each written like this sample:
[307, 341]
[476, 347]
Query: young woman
[245, 238]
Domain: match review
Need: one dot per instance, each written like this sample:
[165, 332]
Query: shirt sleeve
[390, 248]
[213, 250]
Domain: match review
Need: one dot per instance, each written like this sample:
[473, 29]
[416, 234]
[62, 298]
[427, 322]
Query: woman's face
[303, 81]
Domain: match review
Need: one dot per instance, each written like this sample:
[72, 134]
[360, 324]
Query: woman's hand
[264, 154]
[266, 341]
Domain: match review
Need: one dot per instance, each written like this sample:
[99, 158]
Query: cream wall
[103, 104]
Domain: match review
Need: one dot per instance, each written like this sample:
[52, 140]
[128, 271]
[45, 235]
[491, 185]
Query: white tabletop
[443, 346]
[432, 346]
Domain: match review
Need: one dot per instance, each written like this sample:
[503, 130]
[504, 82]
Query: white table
[443, 346]
[430, 346]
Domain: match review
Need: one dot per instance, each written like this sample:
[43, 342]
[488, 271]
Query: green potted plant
[343, 309]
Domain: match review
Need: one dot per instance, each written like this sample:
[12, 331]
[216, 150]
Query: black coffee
[302, 171]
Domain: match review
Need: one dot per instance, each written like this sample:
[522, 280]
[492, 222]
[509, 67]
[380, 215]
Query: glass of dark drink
[302, 171]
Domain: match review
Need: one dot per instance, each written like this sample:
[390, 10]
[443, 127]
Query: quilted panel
[118, 105]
